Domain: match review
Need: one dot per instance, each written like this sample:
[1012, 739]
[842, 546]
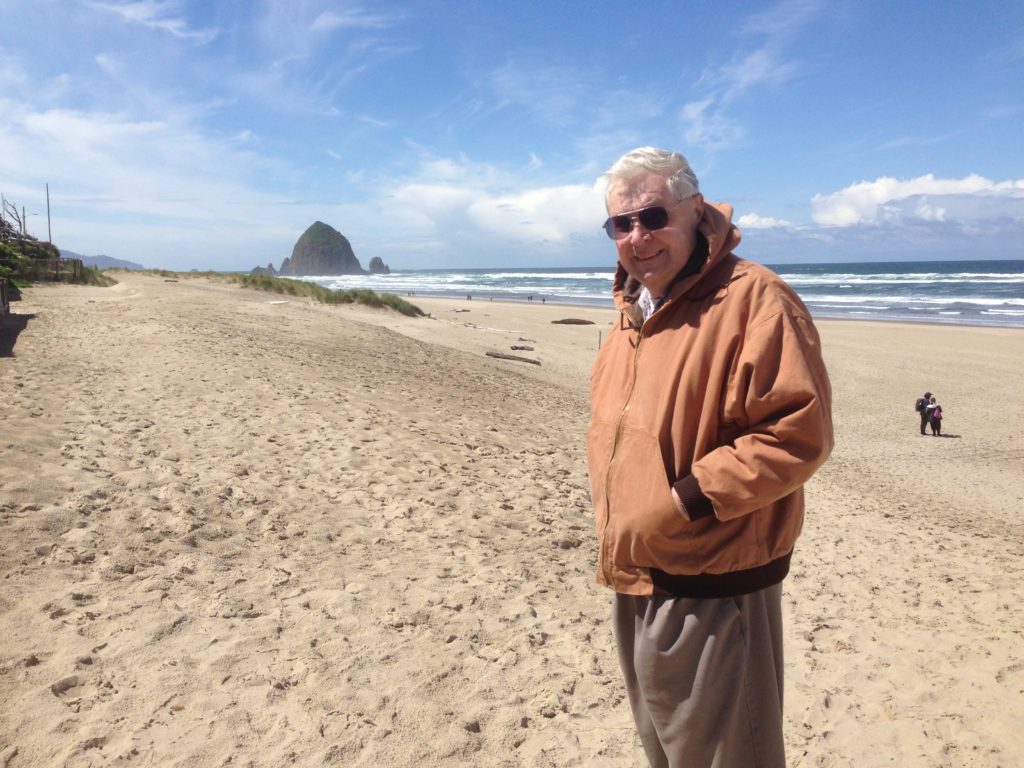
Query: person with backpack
[921, 406]
[934, 412]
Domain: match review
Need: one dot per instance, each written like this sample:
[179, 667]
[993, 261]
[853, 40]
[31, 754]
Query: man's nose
[638, 232]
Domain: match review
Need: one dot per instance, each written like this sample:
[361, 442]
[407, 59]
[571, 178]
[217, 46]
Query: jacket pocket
[649, 530]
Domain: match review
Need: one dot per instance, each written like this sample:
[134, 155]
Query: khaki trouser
[704, 678]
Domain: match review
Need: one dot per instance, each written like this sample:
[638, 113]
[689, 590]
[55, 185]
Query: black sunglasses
[620, 226]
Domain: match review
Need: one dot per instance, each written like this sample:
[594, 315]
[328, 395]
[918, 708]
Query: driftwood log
[572, 321]
[517, 358]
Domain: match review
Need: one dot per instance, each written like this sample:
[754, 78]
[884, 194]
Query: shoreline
[248, 528]
[605, 302]
[816, 317]
[933, 292]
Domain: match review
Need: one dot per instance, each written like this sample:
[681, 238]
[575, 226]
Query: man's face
[655, 256]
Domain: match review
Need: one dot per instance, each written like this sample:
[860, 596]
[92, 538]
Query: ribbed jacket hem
[714, 585]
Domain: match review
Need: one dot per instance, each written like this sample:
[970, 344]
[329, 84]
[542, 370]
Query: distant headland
[100, 262]
[323, 250]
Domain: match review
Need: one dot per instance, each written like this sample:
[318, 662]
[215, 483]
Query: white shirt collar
[647, 302]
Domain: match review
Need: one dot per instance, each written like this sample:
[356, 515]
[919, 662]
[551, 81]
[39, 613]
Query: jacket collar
[715, 229]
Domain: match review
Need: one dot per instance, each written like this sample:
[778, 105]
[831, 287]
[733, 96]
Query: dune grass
[298, 288]
[316, 292]
[94, 276]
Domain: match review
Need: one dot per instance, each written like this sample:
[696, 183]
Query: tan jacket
[723, 395]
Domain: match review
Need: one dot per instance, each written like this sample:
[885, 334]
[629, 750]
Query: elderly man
[710, 410]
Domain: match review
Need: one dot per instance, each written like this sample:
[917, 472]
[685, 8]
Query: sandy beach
[243, 530]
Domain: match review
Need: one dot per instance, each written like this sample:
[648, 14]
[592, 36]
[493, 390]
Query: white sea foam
[849, 280]
[930, 295]
[907, 300]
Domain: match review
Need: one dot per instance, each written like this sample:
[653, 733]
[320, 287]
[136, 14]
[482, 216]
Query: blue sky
[209, 134]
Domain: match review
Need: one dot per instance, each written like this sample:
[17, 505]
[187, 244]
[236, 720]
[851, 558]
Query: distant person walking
[921, 406]
[934, 411]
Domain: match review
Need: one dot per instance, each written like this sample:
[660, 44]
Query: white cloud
[555, 93]
[547, 214]
[436, 200]
[540, 215]
[468, 202]
[133, 176]
[706, 125]
[706, 122]
[244, 136]
[782, 20]
[375, 122]
[83, 133]
[162, 16]
[755, 221]
[109, 64]
[352, 18]
[760, 67]
[927, 212]
[890, 199]
[12, 74]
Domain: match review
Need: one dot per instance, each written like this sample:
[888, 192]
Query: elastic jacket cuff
[695, 504]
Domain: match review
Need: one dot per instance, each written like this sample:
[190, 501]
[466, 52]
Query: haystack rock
[321, 250]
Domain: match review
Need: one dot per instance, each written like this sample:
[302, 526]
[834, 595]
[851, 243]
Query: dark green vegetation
[18, 255]
[24, 259]
[94, 276]
[325, 295]
[298, 288]
[13, 263]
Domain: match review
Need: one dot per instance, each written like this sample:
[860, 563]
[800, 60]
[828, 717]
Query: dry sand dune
[243, 532]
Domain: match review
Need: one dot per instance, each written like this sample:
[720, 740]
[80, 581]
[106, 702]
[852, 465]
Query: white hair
[679, 176]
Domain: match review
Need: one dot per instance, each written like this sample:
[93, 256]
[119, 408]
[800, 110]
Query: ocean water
[951, 292]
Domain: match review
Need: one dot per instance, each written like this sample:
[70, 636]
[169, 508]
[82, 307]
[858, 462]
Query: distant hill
[101, 262]
[322, 250]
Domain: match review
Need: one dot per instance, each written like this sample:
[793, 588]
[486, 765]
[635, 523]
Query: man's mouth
[642, 259]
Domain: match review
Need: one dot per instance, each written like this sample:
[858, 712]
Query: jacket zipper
[606, 564]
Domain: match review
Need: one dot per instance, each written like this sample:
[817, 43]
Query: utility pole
[49, 232]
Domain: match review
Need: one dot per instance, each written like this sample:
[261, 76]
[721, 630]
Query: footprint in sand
[65, 684]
